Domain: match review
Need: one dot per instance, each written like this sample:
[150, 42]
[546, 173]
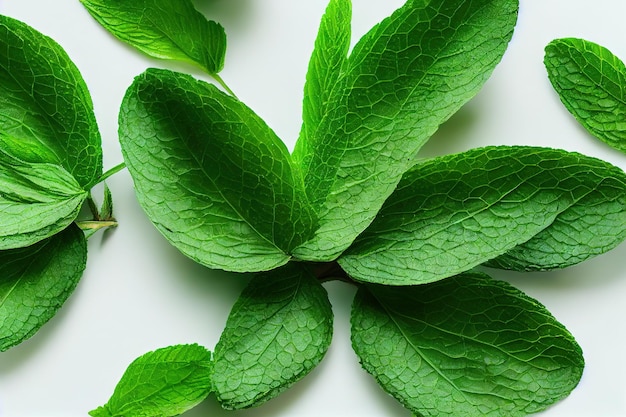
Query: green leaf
[466, 346]
[211, 175]
[35, 282]
[163, 383]
[591, 83]
[46, 113]
[404, 78]
[37, 200]
[452, 213]
[165, 29]
[279, 330]
[325, 66]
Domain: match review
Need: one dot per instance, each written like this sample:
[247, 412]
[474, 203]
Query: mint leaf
[325, 66]
[211, 175]
[35, 282]
[452, 213]
[465, 346]
[278, 330]
[404, 78]
[591, 83]
[46, 113]
[37, 200]
[165, 29]
[163, 383]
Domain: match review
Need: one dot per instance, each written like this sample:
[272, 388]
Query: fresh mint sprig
[349, 203]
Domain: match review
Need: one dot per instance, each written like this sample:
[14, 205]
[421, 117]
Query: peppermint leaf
[325, 67]
[46, 113]
[465, 346]
[591, 83]
[163, 383]
[277, 332]
[211, 175]
[35, 282]
[530, 208]
[165, 29]
[404, 78]
[37, 200]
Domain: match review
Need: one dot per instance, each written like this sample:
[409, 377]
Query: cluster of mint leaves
[50, 159]
[352, 202]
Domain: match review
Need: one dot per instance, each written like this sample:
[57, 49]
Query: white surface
[139, 293]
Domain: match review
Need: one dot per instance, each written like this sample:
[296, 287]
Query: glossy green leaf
[591, 83]
[37, 200]
[404, 78]
[325, 66]
[211, 175]
[278, 331]
[466, 346]
[165, 29]
[35, 282]
[452, 213]
[163, 383]
[46, 113]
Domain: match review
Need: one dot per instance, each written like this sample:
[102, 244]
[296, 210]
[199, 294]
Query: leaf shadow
[451, 137]
[234, 16]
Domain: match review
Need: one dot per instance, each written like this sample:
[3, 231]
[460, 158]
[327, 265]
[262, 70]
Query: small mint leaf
[165, 29]
[163, 383]
[325, 67]
[35, 282]
[277, 332]
[591, 83]
[466, 346]
[37, 200]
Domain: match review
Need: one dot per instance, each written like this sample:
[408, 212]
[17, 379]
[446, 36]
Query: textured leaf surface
[35, 282]
[278, 331]
[403, 79]
[591, 83]
[166, 29]
[37, 200]
[465, 346]
[163, 383]
[46, 113]
[550, 208]
[327, 61]
[211, 175]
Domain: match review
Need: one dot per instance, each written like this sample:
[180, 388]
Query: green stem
[117, 168]
[221, 82]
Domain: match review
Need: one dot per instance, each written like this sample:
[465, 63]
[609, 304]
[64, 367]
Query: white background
[139, 293]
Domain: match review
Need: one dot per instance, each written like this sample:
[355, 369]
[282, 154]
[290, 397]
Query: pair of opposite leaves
[50, 157]
[240, 202]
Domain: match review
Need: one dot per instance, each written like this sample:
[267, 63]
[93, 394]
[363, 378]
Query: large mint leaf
[46, 113]
[591, 83]
[166, 29]
[466, 346]
[327, 61]
[35, 282]
[452, 213]
[278, 331]
[211, 175]
[37, 200]
[403, 79]
[164, 383]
